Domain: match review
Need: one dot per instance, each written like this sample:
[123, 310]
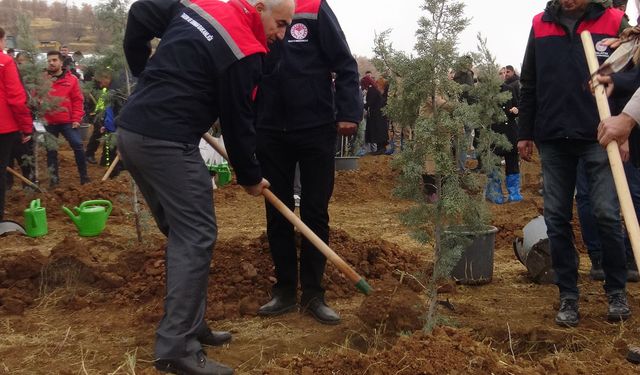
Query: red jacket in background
[71, 109]
[14, 113]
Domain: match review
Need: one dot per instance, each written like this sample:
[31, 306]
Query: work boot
[215, 338]
[318, 308]
[54, 181]
[618, 307]
[513, 187]
[596, 273]
[280, 303]
[568, 315]
[633, 355]
[194, 364]
[494, 189]
[84, 180]
[92, 160]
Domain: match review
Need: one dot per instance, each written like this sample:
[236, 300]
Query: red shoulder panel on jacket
[608, 24]
[542, 29]
[308, 6]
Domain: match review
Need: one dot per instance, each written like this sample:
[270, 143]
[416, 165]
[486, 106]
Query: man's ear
[260, 7]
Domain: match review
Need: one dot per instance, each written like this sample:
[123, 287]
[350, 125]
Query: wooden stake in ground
[360, 283]
[24, 179]
[622, 186]
[115, 161]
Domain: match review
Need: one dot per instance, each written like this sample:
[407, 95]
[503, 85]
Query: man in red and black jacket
[298, 116]
[207, 66]
[15, 117]
[559, 113]
[66, 94]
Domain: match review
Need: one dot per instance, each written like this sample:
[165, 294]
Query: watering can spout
[76, 219]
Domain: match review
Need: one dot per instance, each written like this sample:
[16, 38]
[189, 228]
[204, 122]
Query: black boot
[281, 303]
[568, 315]
[618, 307]
[318, 308]
[194, 364]
[215, 338]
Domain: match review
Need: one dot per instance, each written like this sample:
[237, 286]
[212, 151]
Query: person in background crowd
[66, 119]
[509, 129]
[377, 124]
[15, 118]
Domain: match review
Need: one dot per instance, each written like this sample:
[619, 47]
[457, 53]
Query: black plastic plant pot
[475, 266]
[346, 163]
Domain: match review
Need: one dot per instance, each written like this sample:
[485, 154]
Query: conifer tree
[425, 99]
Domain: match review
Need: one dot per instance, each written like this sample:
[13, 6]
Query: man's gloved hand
[347, 128]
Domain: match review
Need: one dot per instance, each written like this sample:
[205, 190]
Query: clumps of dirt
[242, 274]
[393, 308]
[445, 351]
[75, 264]
[373, 180]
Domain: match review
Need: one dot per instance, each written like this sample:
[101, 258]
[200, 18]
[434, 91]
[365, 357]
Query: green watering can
[223, 173]
[35, 219]
[92, 217]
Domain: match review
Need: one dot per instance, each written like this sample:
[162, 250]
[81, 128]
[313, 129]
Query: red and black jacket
[556, 100]
[71, 106]
[206, 67]
[296, 91]
[14, 113]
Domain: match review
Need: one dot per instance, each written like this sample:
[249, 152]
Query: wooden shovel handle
[331, 255]
[115, 161]
[23, 179]
[622, 186]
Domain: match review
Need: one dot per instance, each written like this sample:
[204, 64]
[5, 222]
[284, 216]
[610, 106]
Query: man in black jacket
[299, 114]
[207, 66]
[558, 111]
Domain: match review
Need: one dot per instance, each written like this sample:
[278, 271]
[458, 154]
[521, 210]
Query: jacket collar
[253, 20]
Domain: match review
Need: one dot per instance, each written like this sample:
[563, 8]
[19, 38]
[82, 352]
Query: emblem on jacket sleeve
[602, 49]
[299, 32]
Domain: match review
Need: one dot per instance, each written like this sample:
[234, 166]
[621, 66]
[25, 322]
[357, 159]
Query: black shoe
[91, 160]
[279, 304]
[596, 273]
[618, 307]
[321, 312]
[568, 315]
[194, 364]
[633, 355]
[53, 182]
[84, 180]
[215, 338]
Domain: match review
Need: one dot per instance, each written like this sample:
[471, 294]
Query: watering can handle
[35, 204]
[99, 202]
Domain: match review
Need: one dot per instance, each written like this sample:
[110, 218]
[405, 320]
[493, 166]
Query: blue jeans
[588, 222]
[559, 165]
[75, 141]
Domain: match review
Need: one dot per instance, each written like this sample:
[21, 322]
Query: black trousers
[278, 153]
[7, 142]
[22, 154]
[94, 141]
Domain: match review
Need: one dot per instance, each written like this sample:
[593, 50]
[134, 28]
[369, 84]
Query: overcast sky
[505, 24]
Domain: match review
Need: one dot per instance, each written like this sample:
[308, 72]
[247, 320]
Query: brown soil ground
[74, 305]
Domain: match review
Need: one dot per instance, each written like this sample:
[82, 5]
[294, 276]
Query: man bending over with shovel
[206, 66]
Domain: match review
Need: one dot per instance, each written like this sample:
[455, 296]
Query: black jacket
[556, 100]
[206, 67]
[296, 91]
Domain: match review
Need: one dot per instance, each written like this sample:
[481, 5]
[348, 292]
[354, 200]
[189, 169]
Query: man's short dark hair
[619, 3]
[64, 46]
[367, 72]
[1, 33]
[55, 53]
[11, 51]
[510, 68]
